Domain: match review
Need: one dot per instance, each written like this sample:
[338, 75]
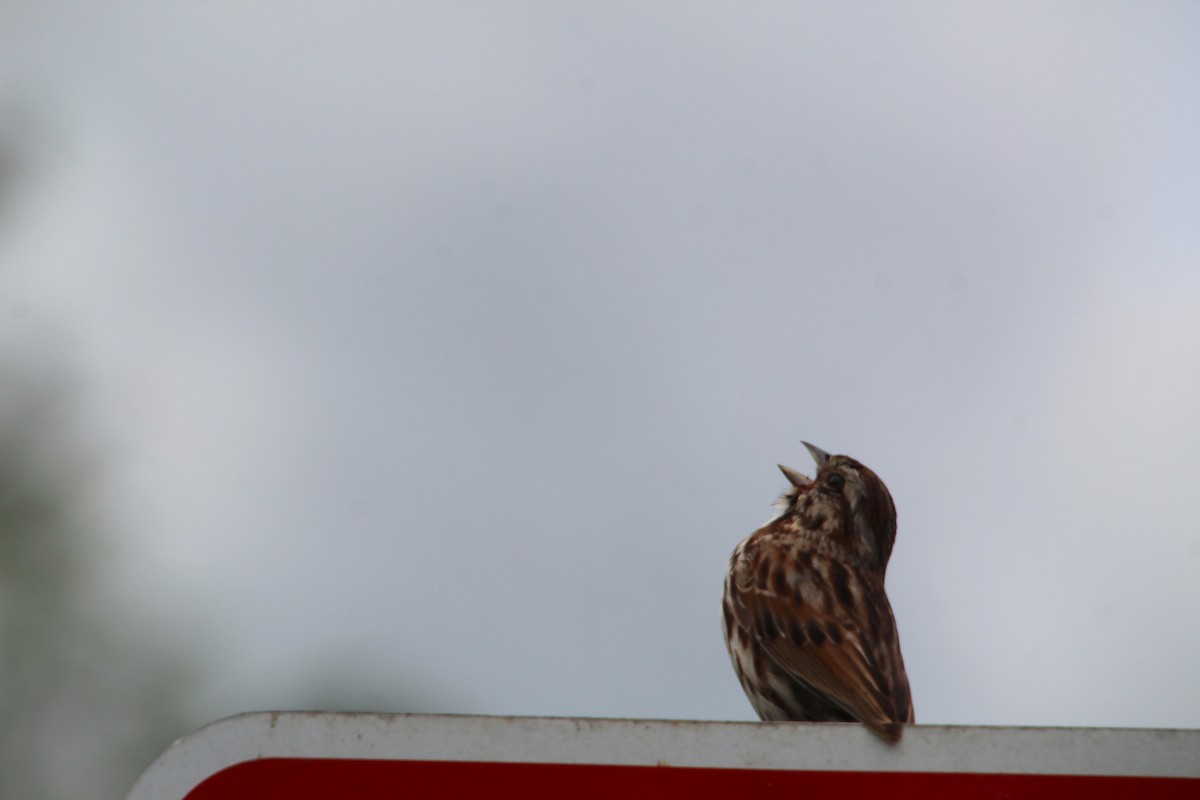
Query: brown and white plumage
[806, 619]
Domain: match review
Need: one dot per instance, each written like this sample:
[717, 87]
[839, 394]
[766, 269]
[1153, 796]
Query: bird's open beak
[794, 478]
[819, 455]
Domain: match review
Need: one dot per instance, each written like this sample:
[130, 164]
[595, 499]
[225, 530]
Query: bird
[807, 622]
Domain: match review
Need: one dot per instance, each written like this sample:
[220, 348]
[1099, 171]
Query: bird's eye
[835, 481]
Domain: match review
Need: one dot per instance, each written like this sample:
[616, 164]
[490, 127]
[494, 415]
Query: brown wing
[823, 644]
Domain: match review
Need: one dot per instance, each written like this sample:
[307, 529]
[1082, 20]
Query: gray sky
[455, 344]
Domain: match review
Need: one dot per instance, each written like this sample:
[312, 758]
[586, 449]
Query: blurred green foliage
[86, 700]
[87, 697]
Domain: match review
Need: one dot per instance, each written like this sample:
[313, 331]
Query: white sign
[351, 756]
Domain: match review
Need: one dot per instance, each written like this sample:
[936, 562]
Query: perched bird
[806, 619]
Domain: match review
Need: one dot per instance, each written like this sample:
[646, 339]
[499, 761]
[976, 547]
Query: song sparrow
[806, 619]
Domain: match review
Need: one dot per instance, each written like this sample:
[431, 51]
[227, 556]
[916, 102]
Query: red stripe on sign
[346, 779]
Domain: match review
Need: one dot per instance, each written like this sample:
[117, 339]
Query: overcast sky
[453, 345]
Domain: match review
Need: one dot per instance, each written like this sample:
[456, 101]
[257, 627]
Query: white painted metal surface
[736, 745]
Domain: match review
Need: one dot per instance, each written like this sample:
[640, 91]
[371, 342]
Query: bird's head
[845, 500]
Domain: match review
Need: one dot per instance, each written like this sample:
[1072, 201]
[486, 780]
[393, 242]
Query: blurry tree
[86, 700]
[88, 697]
